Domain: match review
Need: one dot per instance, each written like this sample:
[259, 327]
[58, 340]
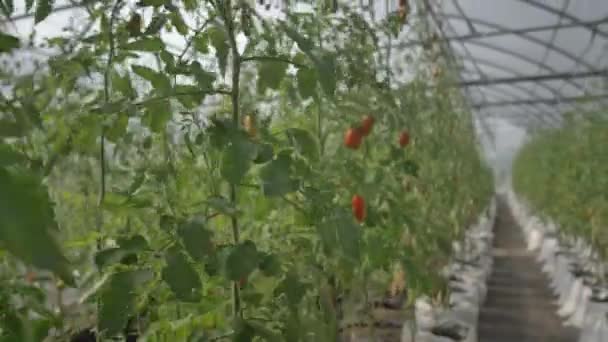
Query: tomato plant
[201, 192]
[560, 172]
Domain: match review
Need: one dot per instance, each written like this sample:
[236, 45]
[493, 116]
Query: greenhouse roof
[527, 61]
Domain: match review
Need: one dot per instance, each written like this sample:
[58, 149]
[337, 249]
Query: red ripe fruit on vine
[366, 125]
[358, 204]
[353, 138]
[404, 138]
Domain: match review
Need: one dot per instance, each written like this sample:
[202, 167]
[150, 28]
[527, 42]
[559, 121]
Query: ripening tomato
[358, 204]
[404, 138]
[352, 138]
[250, 125]
[366, 125]
[242, 282]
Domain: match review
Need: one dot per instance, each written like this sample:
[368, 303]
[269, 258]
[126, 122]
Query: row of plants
[562, 174]
[251, 197]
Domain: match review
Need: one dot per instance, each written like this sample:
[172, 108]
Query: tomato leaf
[237, 157]
[123, 84]
[8, 42]
[304, 142]
[43, 9]
[157, 114]
[219, 40]
[270, 75]
[222, 205]
[196, 238]
[149, 44]
[181, 277]
[307, 82]
[26, 217]
[159, 81]
[117, 300]
[242, 260]
[276, 178]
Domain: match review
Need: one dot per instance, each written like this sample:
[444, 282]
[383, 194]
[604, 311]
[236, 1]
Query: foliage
[562, 173]
[191, 221]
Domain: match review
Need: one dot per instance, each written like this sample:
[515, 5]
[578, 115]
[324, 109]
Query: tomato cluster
[352, 140]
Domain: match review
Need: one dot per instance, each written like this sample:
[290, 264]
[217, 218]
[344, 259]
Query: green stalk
[236, 72]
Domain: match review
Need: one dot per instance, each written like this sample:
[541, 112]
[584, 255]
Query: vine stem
[102, 143]
[235, 94]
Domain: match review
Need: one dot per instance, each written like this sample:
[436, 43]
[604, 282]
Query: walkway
[519, 306]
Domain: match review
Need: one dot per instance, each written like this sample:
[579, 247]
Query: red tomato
[352, 138]
[366, 125]
[404, 139]
[358, 204]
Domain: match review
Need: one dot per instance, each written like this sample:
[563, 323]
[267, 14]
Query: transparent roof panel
[531, 59]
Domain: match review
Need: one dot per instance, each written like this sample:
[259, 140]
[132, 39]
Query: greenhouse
[319, 170]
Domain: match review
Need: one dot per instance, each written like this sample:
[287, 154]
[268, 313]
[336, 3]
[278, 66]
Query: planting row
[313, 184]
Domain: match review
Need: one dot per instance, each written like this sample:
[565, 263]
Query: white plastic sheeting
[468, 273]
[574, 271]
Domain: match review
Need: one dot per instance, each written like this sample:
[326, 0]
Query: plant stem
[236, 72]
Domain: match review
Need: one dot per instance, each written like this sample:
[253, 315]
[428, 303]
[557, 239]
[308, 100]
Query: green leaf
[276, 177]
[196, 238]
[293, 288]
[237, 157]
[242, 260]
[303, 43]
[28, 5]
[159, 81]
[201, 43]
[123, 84]
[307, 82]
[149, 44]
[219, 40]
[156, 24]
[43, 9]
[193, 98]
[223, 205]
[327, 73]
[203, 77]
[133, 243]
[265, 153]
[7, 8]
[304, 142]
[157, 114]
[8, 42]
[270, 264]
[181, 277]
[270, 75]
[26, 217]
[10, 129]
[8, 156]
[117, 300]
[178, 23]
[110, 256]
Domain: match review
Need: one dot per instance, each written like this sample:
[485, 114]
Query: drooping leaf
[219, 40]
[157, 114]
[237, 157]
[242, 260]
[307, 82]
[123, 84]
[8, 42]
[26, 217]
[156, 24]
[149, 44]
[276, 178]
[43, 9]
[270, 75]
[196, 238]
[159, 81]
[270, 264]
[178, 22]
[304, 142]
[222, 205]
[117, 300]
[181, 277]
[8, 156]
